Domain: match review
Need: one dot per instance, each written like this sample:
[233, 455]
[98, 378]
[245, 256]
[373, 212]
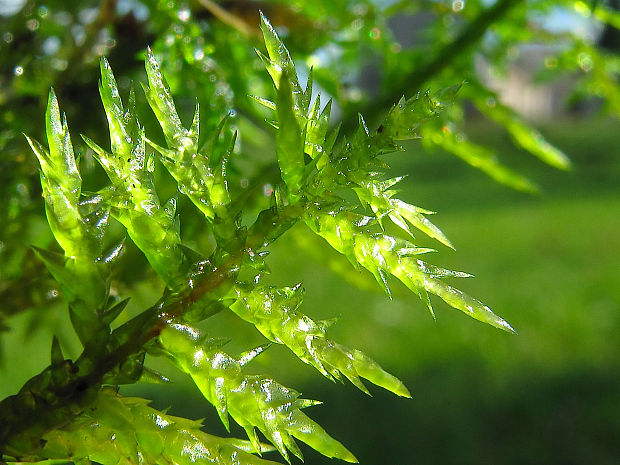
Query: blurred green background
[549, 264]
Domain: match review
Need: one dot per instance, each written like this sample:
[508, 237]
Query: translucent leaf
[253, 401]
[466, 304]
[384, 255]
[274, 313]
[61, 149]
[301, 128]
[195, 170]
[120, 139]
[120, 430]
[279, 59]
[159, 98]
[263, 101]
[135, 202]
[83, 278]
[316, 129]
[378, 196]
[289, 142]
[61, 184]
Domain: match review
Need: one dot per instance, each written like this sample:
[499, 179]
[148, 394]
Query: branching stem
[230, 19]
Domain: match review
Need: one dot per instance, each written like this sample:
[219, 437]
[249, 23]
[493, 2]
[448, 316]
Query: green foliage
[253, 401]
[134, 201]
[116, 429]
[331, 180]
[79, 226]
[201, 175]
[274, 313]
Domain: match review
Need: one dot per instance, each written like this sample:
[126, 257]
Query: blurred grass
[549, 264]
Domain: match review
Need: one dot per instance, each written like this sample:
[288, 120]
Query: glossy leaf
[201, 175]
[135, 202]
[84, 279]
[253, 401]
[384, 255]
[125, 430]
[61, 183]
[380, 199]
[289, 139]
[279, 61]
[274, 313]
[336, 183]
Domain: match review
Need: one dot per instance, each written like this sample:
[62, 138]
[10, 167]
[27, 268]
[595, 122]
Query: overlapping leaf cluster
[253, 401]
[79, 225]
[355, 164]
[85, 420]
[125, 430]
[207, 53]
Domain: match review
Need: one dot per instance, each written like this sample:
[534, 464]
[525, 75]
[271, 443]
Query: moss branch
[27, 416]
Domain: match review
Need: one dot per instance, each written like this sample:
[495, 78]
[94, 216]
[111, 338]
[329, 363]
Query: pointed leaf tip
[504, 325]
[56, 353]
[113, 312]
[404, 393]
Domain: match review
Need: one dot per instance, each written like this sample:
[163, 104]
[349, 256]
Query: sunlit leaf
[126, 430]
[274, 313]
[253, 401]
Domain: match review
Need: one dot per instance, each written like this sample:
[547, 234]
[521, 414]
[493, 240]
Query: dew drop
[18, 71]
[52, 294]
[184, 14]
[199, 54]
